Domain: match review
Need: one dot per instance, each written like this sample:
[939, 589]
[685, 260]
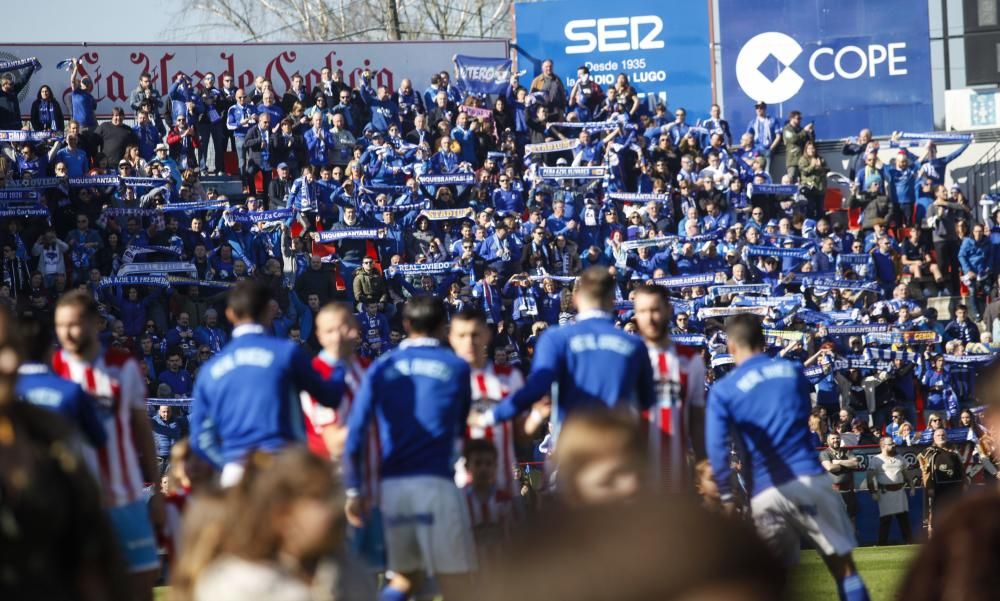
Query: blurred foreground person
[281, 521]
[602, 459]
[56, 541]
[959, 563]
[663, 549]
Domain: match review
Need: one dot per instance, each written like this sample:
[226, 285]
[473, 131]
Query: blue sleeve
[204, 437]
[357, 427]
[231, 122]
[954, 155]
[326, 392]
[544, 370]
[89, 422]
[717, 440]
[963, 255]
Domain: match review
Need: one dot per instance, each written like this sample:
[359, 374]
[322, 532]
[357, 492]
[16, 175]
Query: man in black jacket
[11, 84]
[115, 136]
[259, 148]
[280, 186]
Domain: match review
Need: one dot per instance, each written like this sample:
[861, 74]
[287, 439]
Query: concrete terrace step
[945, 305]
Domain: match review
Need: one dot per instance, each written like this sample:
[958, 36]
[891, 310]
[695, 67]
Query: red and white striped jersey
[117, 385]
[317, 417]
[495, 515]
[489, 386]
[679, 376]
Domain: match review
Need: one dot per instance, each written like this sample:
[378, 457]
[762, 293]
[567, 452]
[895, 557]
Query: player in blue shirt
[763, 404]
[419, 397]
[246, 398]
[589, 364]
[37, 384]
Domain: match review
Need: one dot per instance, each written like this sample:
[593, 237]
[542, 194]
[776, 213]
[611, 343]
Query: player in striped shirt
[676, 421]
[128, 460]
[338, 334]
[468, 337]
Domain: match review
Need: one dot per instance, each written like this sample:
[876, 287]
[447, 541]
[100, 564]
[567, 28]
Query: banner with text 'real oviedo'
[662, 47]
[115, 68]
[845, 64]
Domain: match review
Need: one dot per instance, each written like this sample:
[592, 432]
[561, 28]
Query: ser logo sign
[764, 81]
[614, 34]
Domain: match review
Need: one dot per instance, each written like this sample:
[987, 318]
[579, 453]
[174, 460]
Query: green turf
[881, 567]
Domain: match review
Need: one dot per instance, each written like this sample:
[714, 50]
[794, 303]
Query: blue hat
[772, 223]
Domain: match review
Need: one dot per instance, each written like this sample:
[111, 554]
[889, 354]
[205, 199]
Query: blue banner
[661, 46]
[846, 64]
[478, 75]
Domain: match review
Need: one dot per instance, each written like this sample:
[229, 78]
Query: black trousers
[885, 523]
[946, 251]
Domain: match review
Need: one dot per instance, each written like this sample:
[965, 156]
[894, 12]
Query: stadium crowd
[370, 198]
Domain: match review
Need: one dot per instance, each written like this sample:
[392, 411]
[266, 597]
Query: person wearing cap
[794, 136]
[280, 186]
[765, 129]
[167, 162]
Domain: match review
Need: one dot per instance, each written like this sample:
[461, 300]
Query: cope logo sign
[754, 73]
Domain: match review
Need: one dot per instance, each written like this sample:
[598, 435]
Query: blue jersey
[764, 404]
[592, 363]
[419, 396]
[246, 397]
[37, 385]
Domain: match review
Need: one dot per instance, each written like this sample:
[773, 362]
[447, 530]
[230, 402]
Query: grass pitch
[882, 569]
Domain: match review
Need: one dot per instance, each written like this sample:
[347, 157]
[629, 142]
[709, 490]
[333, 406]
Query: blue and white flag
[448, 179]
[969, 359]
[597, 172]
[147, 182]
[23, 135]
[480, 75]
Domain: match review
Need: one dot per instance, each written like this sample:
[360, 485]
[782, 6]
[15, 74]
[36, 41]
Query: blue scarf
[18, 195]
[34, 211]
[20, 64]
[134, 280]
[597, 172]
[461, 179]
[352, 234]
[772, 189]
[424, 268]
[812, 282]
[21, 135]
[777, 251]
[686, 281]
[258, 216]
[717, 291]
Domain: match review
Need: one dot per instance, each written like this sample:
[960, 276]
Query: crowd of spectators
[342, 181]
